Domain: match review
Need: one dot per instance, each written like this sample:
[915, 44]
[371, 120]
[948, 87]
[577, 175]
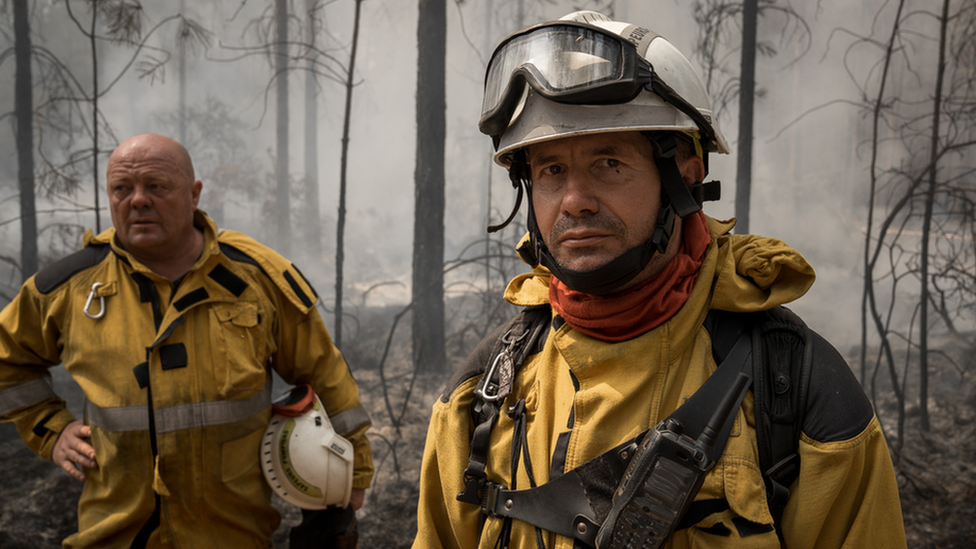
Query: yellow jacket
[584, 396]
[201, 352]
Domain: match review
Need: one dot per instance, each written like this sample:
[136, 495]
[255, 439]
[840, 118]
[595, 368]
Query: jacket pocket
[732, 509]
[240, 349]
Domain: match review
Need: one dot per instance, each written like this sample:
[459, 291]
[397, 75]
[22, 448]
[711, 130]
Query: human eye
[121, 189]
[547, 176]
[552, 170]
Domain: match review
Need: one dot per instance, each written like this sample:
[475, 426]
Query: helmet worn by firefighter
[586, 74]
[304, 460]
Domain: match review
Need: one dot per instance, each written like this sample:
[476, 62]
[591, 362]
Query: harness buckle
[491, 491]
[472, 487]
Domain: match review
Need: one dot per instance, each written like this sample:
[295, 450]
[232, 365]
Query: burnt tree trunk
[343, 168]
[312, 221]
[747, 95]
[24, 107]
[428, 233]
[923, 318]
[282, 194]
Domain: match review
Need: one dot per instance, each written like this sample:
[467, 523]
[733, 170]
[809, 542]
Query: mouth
[582, 238]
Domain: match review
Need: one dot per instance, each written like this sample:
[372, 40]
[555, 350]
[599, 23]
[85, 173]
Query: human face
[152, 196]
[595, 196]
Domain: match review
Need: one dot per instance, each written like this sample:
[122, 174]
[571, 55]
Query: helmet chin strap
[678, 200]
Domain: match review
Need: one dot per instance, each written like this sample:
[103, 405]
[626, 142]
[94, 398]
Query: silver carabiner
[101, 303]
[482, 389]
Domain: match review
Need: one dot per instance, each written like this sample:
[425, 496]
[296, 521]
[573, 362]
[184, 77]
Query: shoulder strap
[782, 357]
[519, 338]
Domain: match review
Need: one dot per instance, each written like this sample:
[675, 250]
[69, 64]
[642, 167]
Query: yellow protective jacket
[177, 381]
[584, 396]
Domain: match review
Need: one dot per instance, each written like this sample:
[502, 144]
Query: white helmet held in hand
[306, 463]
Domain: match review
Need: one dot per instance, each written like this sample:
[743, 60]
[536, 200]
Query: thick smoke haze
[809, 174]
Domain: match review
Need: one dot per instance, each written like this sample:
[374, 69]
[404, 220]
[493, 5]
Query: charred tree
[312, 220]
[927, 223]
[24, 107]
[747, 97]
[428, 233]
[921, 212]
[283, 183]
[343, 169]
[718, 36]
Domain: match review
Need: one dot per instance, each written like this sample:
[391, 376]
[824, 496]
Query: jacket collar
[200, 220]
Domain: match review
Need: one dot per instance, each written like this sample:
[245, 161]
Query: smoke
[808, 169]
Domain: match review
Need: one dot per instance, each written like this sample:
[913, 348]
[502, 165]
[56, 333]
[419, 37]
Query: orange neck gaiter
[626, 315]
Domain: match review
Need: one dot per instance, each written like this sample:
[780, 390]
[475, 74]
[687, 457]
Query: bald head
[156, 146]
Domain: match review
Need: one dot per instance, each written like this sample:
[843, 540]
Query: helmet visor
[563, 62]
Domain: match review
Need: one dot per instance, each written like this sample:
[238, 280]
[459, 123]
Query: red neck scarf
[626, 315]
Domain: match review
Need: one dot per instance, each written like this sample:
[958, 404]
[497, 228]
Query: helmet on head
[586, 74]
[306, 463]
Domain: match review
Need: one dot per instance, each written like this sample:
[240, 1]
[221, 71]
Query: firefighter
[607, 127]
[172, 330]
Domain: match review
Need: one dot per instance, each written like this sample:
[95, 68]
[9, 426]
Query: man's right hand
[72, 449]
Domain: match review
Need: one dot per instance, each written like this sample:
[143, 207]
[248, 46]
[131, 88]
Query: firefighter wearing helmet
[619, 408]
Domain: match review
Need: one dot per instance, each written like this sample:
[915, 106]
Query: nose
[579, 198]
[140, 197]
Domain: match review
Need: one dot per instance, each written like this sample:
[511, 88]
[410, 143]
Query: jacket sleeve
[443, 521]
[846, 495]
[29, 346]
[306, 354]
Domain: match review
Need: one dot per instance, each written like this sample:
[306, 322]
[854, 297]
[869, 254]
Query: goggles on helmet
[574, 63]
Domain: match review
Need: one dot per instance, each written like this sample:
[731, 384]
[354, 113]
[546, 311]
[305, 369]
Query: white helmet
[588, 74]
[306, 463]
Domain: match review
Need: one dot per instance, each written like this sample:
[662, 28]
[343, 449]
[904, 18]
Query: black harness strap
[577, 503]
[518, 341]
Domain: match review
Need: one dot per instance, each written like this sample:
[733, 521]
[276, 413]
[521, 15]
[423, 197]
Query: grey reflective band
[192, 415]
[25, 394]
[350, 420]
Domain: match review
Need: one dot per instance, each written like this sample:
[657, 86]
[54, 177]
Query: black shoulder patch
[236, 255]
[309, 284]
[297, 289]
[230, 281]
[49, 278]
[837, 408]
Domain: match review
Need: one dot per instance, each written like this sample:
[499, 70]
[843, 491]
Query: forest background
[303, 117]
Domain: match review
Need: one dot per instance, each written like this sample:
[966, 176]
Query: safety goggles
[572, 63]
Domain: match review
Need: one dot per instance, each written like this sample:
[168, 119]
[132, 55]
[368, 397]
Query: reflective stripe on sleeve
[350, 420]
[192, 415]
[25, 394]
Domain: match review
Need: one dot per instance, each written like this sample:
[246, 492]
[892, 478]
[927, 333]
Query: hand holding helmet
[304, 460]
